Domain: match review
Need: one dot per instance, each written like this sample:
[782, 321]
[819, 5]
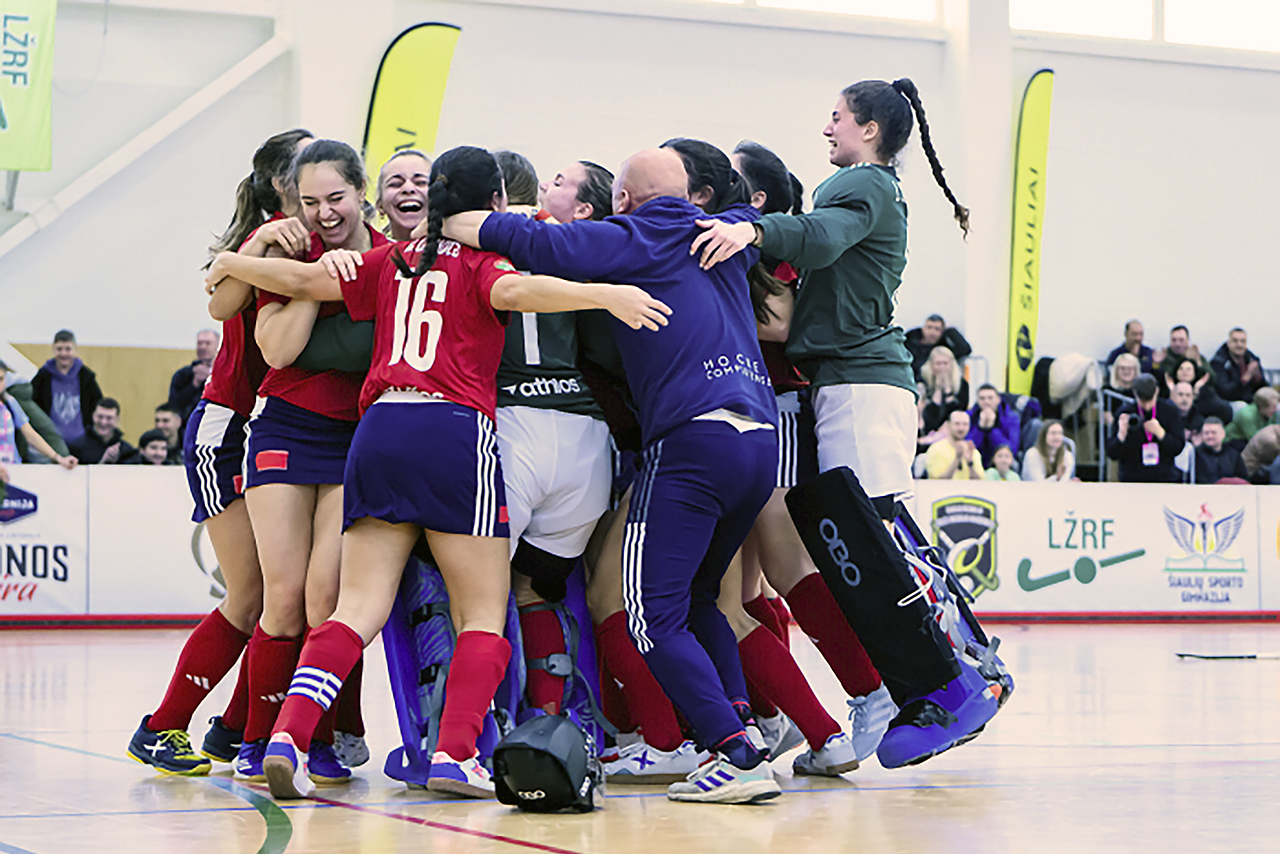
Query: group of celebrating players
[374, 389]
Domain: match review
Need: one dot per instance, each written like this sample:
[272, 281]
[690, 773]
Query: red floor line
[452, 828]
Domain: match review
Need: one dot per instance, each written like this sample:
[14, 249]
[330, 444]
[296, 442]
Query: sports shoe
[350, 749]
[248, 764]
[940, 720]
[869, 718]
[835, 758]
[639, 763]
[285, 767]
[167, 750]
[221, 743]
[780, 734]
[721, 782]
[468, 778]
[323, 765]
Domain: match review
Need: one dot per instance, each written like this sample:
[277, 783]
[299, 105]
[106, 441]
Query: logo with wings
[1204, 542]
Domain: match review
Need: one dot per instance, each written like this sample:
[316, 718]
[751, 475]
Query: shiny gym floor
[1110, 743]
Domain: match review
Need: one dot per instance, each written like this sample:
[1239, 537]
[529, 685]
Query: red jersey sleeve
[489, 267]
[361, 294]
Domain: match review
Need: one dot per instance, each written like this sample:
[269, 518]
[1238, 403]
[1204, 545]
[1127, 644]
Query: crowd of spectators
[61, 414]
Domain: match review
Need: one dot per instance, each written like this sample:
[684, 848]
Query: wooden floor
[1110, 743]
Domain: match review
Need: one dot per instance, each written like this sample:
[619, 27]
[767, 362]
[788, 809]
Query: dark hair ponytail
[256, 196]
[596, 189]
[797, 195]
[348, 163]
[519, 176]
[765, 172]
[462, 179]
[908, 90]
[709, 167]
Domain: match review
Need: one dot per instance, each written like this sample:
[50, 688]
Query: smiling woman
[402, 191]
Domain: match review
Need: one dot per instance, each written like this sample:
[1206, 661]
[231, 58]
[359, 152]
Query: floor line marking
[279, 827]
[452, 828]
[13, 849]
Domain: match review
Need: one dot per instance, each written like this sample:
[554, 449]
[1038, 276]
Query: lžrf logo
[17, 504]
[1204, 542]
[964, 528]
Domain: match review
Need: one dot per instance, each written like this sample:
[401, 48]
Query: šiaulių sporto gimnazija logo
[1204, 541]
[964, 528]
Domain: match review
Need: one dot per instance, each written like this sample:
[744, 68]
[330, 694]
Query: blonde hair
[926, 371]
[1126, 359]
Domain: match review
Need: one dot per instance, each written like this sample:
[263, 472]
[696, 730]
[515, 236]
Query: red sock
[272, 661]
[349, 719]
[761, 705]
[820, 618]
[767, 663]
[648, 704]
[479, 662]
[542, 636]
[207, 656]
[612, 703]
[332, 649]
[763, 613]
[779, 606]
[238, 708]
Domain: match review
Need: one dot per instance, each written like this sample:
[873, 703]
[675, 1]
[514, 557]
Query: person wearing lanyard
[1148, 436]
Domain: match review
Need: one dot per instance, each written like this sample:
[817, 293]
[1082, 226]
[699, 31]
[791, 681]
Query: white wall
[1160, 175]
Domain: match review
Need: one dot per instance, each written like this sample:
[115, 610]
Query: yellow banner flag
[408, 95]
[1028, 220]
[26, 84]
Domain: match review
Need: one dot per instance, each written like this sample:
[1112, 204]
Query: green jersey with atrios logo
[539, 365]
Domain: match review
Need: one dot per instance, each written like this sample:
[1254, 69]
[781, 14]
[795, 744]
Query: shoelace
[178, 740]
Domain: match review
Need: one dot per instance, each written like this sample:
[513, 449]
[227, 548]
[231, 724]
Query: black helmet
[547, 764]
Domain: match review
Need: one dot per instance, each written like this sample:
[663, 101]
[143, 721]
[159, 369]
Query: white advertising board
[148, 556]
[43, 548]
[1269, 546]
[1099, 548]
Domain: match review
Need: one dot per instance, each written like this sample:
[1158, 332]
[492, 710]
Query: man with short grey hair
[187, 385]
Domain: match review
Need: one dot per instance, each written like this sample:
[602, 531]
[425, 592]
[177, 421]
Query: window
[1250, 24]
[914, 10]
[1125, 19]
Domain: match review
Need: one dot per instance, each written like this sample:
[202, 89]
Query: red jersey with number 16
[437, 334]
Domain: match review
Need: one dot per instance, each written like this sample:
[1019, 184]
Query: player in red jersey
[299, 435]
[214, 454]
[424, 456]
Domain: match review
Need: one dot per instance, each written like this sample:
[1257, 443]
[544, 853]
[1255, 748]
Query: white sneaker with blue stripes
[721, 782]
[869, 719]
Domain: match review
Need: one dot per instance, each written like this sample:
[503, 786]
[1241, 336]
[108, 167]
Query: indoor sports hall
[620, 425]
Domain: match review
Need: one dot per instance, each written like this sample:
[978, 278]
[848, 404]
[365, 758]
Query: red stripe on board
[1130, 617]
[100, 621]
[452, 828]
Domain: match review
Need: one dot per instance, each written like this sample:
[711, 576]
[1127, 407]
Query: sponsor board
[43, 562]
[1082, 547]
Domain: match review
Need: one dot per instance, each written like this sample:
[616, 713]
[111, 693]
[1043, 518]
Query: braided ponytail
[907, 89]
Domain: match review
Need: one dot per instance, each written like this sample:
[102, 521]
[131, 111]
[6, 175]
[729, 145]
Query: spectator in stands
[1147, 437]
[19, 388]
[66, 389]
[1120, 376]
[14, 422]
[994, 423]
[1184, 398]
[1133, 346]
[169, 422]
[1237, 370]
[1049, 458]
[1002, 466]
[1254, 416]
[934, 333]
[153, 450]
[187, 384]
[955, 457]
[1214, 460]
[943, 390]
[104, 444]
[1261, 456]
[1167, 359]
[1204, 393]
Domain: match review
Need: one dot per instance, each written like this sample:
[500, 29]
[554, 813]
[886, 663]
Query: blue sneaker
[469, 779]
[167, 750]
[286, 769]
[248, 764]
[938, 721]
[221, 742]
[325, 768]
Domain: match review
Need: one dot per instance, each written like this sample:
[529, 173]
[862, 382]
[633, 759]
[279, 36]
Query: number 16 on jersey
[417, 328]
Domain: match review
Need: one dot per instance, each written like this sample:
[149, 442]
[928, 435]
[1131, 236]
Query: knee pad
[549, 573]
[869, 577]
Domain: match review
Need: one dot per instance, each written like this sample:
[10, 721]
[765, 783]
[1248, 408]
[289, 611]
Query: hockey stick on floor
[1274, 656]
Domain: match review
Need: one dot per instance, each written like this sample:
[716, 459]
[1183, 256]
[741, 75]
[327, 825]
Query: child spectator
[104, 444]
[14, 421]
[1214, 460]
[66, 388]
[1049, 458]
[153, 450]
[993, 423]
[954, 457]
[1002, 466]
[1254, 416]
